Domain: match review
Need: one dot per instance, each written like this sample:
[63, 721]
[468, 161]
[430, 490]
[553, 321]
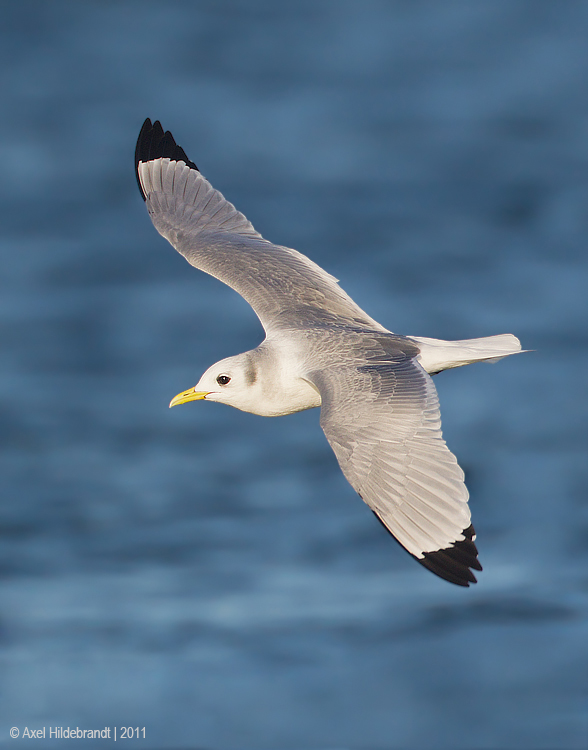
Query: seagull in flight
[379, 406]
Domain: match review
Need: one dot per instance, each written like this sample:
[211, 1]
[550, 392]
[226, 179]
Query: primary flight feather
[379, 406]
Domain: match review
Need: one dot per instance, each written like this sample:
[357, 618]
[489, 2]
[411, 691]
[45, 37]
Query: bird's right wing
[284, 287]
[383, 423]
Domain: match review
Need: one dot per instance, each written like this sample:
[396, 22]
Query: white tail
[437, 355]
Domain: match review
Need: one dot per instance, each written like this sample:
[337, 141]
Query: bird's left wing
[382, 421]
[284, 287]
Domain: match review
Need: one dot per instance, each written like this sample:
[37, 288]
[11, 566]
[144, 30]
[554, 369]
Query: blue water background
[209, 574]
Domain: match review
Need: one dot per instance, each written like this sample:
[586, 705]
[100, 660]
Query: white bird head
[232, 381]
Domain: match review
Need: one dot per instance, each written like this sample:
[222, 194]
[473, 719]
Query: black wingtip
[154, 143]
[452, 563]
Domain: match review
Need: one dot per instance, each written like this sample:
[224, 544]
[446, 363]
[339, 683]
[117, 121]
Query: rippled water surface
[209, 574]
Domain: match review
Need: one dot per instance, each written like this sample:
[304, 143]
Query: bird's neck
[281, 387]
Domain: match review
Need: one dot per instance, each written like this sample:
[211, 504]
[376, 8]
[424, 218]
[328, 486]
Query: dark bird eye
[223, 379]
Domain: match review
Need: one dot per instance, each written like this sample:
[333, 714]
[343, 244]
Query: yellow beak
[190, 395]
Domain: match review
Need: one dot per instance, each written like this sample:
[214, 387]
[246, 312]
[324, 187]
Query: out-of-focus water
[209, 574]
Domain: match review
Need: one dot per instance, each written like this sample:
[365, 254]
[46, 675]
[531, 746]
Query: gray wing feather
[285, 288]
[383, 423]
